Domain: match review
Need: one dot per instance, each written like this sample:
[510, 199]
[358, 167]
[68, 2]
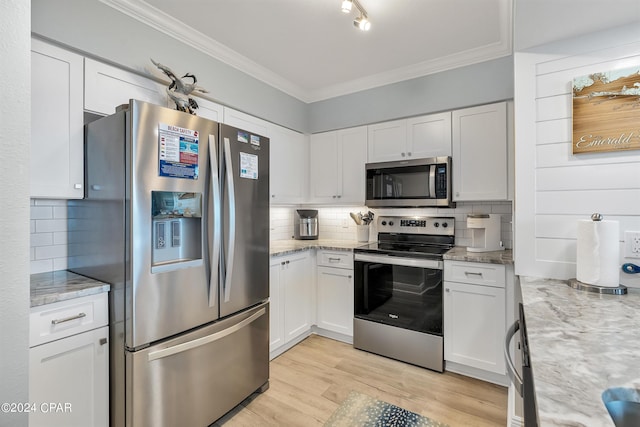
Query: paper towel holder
[604, 290]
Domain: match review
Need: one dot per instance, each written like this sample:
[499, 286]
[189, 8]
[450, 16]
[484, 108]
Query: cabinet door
[429, 136]
[57, 133]
[335, 300]
[480, 160]
[297, 296]
[474, 326]
[387, 141]
[276, 308]
[207, 109]
[352, 156]
[289, 168]
[323, 158]
[245, 122]
[72, 374]
[107, 87]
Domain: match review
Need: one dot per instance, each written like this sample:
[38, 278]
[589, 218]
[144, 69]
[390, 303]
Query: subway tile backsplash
[336, 224]
[49, 226]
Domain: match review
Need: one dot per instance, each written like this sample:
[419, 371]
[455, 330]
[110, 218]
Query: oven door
[398, 291]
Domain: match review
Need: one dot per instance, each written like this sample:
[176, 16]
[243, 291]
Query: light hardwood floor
[308, 382]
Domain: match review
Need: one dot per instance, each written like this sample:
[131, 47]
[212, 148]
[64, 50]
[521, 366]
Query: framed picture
[606, 111]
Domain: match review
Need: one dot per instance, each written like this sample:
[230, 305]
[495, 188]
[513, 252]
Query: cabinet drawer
[335, 259]
[475, 272]
[65, 318]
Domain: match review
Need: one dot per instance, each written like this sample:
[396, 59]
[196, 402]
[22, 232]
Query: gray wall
[15, 122]
[476, 84]
[92, 27]
[98, 30]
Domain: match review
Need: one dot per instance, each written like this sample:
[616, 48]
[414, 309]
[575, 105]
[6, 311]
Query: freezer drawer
[194, 379]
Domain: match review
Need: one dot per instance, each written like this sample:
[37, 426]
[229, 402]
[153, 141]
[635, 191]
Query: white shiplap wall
[555, 188]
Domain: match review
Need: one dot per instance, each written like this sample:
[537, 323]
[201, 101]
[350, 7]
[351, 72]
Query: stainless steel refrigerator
[176, 218]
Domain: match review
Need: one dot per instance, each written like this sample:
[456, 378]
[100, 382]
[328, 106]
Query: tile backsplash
[335, 223]
[48, 235]
[49, 226]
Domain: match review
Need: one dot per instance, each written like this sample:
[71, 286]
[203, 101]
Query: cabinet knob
[287, 262]
[409, 154]
[103, 341]
[273, 196]
[282, 263]
[447, 290]
[349, 277]
[402, 154]
[339, 196]
[334, 196]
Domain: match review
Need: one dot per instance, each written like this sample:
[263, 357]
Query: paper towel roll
[598, 254]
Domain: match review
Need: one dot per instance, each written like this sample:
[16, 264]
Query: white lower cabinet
[334, 303]
[475, 319]
[69, 363]
[291, 298]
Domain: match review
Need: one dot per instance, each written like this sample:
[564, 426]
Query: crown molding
[160, 21]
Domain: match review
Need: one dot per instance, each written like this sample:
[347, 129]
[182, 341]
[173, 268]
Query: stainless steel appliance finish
[409, 183]
[398, 290]
[175, 218]
[305, 224]
[524, 383]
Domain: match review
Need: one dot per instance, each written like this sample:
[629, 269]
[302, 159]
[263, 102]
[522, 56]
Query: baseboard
[297, 340]
[333, 335]
[480, 374]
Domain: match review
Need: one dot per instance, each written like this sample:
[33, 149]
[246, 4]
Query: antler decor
[179, 90]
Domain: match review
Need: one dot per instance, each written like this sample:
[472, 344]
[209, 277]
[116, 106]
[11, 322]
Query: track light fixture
[362, 22]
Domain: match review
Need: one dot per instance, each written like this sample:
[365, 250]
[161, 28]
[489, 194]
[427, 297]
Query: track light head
[362, 23]
[346, 6]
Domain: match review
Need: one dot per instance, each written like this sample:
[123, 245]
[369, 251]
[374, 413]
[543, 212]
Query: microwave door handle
[215, 251]
[232, 220]
[432, 182]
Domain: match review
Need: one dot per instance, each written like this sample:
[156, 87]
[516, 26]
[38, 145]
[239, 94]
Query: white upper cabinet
[246, 122]
[414, 138]
[206, 109]
[387, 141]
[57, 133]
[429, 136]
[107, 87]
[289, 168]
[480, 159]
[337, 161]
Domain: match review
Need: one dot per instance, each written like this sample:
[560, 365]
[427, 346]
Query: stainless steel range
[398, 290]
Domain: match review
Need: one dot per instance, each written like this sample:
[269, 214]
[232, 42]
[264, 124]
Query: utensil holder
[362, 233]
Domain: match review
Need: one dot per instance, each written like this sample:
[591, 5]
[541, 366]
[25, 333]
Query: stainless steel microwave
[410, 183]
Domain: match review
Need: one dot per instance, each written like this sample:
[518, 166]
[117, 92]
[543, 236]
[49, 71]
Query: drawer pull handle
[68, 319]
[471, 273]
[103, 341]
[334, 259]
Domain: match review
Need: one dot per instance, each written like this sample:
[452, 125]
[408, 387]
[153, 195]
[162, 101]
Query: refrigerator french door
[175, 218]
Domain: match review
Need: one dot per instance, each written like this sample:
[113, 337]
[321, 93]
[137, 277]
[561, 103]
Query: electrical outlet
[632, 244]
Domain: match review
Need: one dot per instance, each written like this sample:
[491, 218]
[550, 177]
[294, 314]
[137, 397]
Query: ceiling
[311, 50]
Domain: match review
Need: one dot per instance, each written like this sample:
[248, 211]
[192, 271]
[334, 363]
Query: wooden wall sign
[606, 111]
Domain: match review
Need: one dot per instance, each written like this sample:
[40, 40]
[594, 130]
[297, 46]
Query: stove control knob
[384, 223]
[445, 225]
[436, 224]
[390, 222]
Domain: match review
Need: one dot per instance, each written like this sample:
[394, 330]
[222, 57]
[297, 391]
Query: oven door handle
[402, 261]
[515, 378]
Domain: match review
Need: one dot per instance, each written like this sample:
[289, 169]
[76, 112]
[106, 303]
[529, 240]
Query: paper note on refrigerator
[248, 166]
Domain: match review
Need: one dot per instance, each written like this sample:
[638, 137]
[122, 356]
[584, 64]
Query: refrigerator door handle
[215, 252]
[232, 220]
[189, 345]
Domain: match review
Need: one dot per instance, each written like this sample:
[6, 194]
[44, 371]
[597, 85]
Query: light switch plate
[632, 244]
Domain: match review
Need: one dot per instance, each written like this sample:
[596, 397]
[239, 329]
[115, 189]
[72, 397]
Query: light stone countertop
[285, 247]
[47, 288]
[581, 343]
[459, 253]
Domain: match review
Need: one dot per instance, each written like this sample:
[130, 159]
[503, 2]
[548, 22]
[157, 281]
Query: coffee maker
[305, 224]
[485, 232]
